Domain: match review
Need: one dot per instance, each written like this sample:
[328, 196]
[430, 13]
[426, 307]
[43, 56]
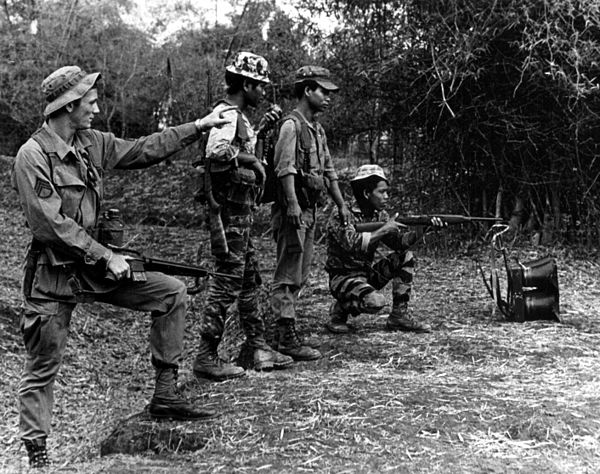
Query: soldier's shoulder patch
[43, 188]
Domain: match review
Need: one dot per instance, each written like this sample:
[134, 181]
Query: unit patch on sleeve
[43, 188]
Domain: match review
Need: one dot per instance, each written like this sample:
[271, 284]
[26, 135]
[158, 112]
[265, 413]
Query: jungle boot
[338, 319]
[168, 403]
[401, 320]
[290, 344]
[265, 357]
[208, 364]
[37, 453]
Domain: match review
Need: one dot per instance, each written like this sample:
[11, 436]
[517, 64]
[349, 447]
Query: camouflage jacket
[351, 252]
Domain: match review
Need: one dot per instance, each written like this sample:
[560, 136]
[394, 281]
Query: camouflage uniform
[354, 269]
[234, 187]
[237, 217]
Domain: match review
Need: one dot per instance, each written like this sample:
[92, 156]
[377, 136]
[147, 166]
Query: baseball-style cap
[65, 85]
[250, 65]
[366, 171]
[319, 74]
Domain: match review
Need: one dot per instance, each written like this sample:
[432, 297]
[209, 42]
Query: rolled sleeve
[285, 150]
[328, 168]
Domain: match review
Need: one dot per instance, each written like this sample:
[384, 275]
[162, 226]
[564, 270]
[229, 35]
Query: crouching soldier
[355, 277]
[58, 175]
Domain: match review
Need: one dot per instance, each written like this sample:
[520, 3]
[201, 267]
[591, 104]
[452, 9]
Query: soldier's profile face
[255, 94]
[378, 198]
[318, 99]
[82, 114]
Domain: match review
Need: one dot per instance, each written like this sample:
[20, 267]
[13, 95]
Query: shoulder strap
[303, 140]
[43, 145]
[241, 129]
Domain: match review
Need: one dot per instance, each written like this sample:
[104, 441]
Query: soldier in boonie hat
[368, 171]
[318, 74]
[366, 179]
[66, 85]
[250, 65]
[233, 179]
[359, 268]
[58, 176]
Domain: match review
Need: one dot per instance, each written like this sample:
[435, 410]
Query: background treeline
[481, 107]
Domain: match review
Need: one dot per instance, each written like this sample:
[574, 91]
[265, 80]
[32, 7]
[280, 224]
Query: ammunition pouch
[235, 186]
[311, 190]
[242, 190]
[54, 275]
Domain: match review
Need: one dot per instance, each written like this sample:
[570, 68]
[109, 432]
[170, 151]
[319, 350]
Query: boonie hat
[65, 85]
[366, 171]
[319, 74]
[250, 65]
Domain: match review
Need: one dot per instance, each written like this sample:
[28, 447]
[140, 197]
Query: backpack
[271, 189]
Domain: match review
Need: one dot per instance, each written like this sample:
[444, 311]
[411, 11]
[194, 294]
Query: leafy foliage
[479, 107]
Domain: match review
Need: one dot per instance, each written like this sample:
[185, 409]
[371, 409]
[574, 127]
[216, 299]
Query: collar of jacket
[52, 143]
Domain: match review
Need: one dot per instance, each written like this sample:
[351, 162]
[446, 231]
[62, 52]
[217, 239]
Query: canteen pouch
[242, 188]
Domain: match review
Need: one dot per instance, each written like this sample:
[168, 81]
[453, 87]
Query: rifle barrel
[181, 269]
[450, 219]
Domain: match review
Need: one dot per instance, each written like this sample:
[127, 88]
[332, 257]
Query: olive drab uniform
[60, 189]
[235, 189]
[357, 269]
[301, 150]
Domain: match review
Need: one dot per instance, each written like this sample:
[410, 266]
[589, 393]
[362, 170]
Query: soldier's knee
[372, 302]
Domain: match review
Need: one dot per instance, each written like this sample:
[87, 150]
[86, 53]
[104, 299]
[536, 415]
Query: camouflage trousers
[240, 262]
[349, 289]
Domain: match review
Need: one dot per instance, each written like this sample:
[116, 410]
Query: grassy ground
[477, 395]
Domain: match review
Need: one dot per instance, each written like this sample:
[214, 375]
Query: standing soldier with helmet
[306, 174]
[233, 180]
[58, 175]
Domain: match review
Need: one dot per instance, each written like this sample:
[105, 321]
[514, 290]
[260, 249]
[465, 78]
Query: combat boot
[168, 402]
[37, 453]
[290, 344]
[401, 320]
[208, 364]
[338, 319]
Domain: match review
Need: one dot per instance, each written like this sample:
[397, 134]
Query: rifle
[140, 264]
[450, 219]
[218, 240]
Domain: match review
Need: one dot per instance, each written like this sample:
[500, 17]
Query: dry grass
[476, 395]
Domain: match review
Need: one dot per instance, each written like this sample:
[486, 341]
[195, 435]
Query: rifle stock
[140, 264]
[450, 219]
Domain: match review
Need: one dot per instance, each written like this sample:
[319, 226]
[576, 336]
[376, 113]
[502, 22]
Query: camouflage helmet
[66, 85]
[367, 171]
[250, 65]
